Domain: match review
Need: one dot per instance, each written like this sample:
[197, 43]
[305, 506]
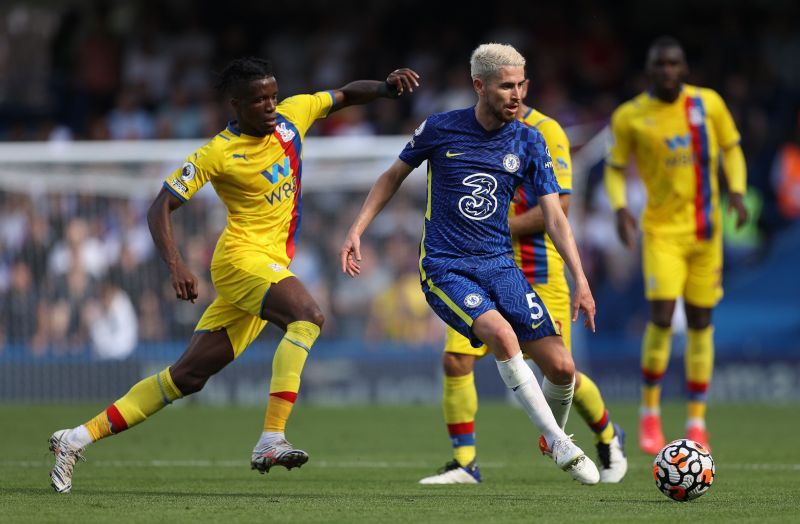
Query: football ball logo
[683, 470]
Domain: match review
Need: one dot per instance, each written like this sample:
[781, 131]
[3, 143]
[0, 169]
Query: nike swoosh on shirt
[534, 326]
[451, 155]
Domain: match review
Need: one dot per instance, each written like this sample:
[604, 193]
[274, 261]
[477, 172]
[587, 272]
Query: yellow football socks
[656, 347]
[144, 399]
[287, 365]
[460, 403]
[589, 403]
[699, 364]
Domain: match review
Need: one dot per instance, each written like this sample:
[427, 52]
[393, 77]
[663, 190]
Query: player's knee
[501, 334]
[562, 370]
[188, 382]
[315, 316]
[457, 365]
[661, 313]
[698, 318]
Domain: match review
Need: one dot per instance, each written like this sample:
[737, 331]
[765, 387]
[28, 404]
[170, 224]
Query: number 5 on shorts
[538, 311]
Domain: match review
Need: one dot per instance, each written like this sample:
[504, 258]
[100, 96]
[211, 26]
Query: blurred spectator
[99, 61]
[129, 120]
[78, 249]
[400, 313]
[60, 313]
[181, 117]
[18, 307]
[36, 247]
[351, 300]
[111, 323]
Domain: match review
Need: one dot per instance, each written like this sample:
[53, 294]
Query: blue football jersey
[472, 176]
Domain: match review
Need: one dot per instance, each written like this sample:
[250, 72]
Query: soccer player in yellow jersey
[676, 132]
[255, 166]
[543, 267]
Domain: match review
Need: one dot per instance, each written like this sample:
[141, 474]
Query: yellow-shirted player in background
[676, 133]
[255, 166]
[539, 260]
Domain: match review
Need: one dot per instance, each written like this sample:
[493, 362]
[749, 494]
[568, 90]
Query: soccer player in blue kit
[477, 157]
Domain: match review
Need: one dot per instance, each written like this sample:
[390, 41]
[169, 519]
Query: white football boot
[613, 463]
[277, 453]
[66, 457]
[574, 461]
[455, 473]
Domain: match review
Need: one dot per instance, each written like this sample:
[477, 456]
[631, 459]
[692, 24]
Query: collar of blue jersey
[478, 125]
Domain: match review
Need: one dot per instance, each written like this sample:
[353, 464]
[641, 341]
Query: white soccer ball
[683, 470]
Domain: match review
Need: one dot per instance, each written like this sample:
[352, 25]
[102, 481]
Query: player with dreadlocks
[255, 166]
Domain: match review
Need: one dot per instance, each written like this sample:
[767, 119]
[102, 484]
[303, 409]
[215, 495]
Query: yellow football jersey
[257, 178]
[676, 147]
[535, 254]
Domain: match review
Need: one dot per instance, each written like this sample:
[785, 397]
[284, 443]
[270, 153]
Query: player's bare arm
[532, 221]
[158, 219]
[363, 91]
[557, 226]
[382, 191]
[627, 228]
[736, 205]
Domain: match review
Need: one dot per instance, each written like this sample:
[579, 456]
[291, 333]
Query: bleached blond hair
[487, 59]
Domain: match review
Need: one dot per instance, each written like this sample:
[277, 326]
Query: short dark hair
[665, 41]
[243, 70]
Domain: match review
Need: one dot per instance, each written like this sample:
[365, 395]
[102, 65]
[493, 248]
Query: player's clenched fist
[184, 282]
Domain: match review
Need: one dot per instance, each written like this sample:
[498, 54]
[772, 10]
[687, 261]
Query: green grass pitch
[191, 463]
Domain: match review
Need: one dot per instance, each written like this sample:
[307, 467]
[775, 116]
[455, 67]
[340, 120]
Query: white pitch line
[360, 464]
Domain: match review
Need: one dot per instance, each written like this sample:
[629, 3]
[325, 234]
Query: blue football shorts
[461, 291]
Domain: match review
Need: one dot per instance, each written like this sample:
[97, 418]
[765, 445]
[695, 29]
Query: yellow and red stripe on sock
[279, 408]
[652, 378]
[599, 426]
[116, 421]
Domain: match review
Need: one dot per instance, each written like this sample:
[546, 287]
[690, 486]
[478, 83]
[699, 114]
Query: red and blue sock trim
[462, 434]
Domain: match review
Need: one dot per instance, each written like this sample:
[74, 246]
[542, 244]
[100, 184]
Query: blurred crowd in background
[79, 271]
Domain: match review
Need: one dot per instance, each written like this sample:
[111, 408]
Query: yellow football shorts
[686, 267]
[556, 298]
[241, 284]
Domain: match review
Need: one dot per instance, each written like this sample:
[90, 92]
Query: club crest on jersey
[511, 163]
[286, 134]
[188, 171]
[695, 116]
[473, 300]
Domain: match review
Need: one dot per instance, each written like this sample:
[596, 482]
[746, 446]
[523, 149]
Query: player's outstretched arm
[557, 226]
[382, 191]
[158, 219]
[364, 91]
